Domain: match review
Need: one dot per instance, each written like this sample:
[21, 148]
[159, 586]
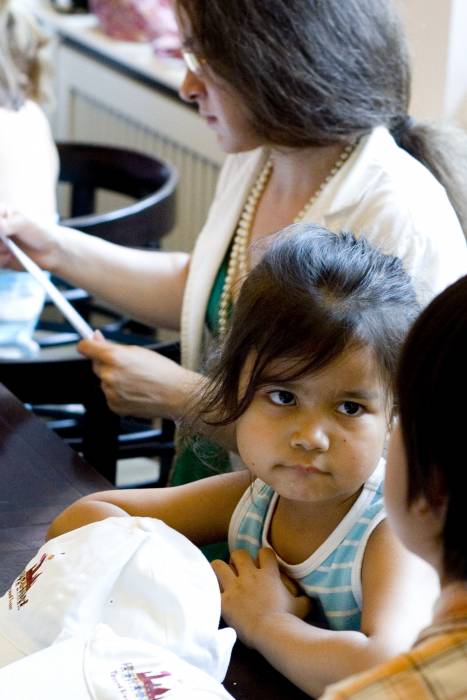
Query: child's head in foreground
[318, 326]
[425, 486]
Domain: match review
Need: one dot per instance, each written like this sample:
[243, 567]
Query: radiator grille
[96, 122]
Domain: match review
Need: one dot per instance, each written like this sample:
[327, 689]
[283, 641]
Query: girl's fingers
[240, 559]
[224, 573]
[302, 606]
[267, 559]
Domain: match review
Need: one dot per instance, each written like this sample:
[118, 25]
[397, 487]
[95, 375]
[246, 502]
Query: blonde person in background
[310, 100]
[28, 161]
[28, 157]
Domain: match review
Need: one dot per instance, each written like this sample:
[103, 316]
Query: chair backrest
[152, 182]
[59, 375]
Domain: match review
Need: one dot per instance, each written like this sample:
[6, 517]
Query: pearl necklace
[238, 268]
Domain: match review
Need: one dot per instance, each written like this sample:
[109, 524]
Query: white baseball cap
[138, 576]
[107, 667]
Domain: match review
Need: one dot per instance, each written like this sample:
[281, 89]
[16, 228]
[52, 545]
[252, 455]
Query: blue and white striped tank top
[333, 572]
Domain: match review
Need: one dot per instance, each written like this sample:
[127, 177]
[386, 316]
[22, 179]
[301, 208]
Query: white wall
[437, 32]
[456, 87]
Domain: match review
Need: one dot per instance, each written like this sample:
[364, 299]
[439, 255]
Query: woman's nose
[311, 435]
[192, 87]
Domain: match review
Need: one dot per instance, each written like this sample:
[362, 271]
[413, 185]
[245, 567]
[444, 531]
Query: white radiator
[95, 122]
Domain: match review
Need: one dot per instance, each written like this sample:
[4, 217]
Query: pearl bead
[238, 267]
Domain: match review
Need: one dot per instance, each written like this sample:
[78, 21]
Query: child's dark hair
[313, 295]
[432, 387]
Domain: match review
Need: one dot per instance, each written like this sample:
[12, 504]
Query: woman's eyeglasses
[193, 62]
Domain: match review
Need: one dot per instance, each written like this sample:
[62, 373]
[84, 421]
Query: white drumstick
[57, 297]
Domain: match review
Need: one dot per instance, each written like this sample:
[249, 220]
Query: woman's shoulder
[29, 112]
[383, 187]
[30, 163]
[383, 171]
[401, 208]
[238, 166]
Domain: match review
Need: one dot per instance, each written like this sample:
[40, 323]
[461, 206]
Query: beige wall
[437, 31]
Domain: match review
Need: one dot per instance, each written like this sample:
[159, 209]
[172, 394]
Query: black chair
[59, 378]
[151, 182]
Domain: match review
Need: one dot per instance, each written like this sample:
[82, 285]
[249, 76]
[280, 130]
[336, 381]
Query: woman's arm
[397, 599]
[146, 285]
[201, 510]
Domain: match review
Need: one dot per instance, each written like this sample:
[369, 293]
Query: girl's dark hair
[320, 72]
[432, 387]
[313, 295]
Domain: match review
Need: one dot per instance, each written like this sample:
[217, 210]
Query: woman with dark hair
[310, 100]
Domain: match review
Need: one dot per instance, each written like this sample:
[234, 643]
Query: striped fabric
[435, 669]
[332, 572]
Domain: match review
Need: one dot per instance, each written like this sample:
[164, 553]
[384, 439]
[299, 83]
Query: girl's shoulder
[257, 497]
[251, 515]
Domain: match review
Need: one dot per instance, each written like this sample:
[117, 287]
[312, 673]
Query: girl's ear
[393, 418]
[427, 526]
[391, 424]
[430, 514]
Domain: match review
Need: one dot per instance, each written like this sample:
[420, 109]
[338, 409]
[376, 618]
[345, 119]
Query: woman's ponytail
[443, 150]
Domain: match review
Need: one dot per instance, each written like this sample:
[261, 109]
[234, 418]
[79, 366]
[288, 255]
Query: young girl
[425, 499]
[305, 376]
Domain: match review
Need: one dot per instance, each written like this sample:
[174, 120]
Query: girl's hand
[137, 381]
[38, 242]
[253, 591]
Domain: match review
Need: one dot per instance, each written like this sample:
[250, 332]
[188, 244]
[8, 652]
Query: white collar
[358, 174]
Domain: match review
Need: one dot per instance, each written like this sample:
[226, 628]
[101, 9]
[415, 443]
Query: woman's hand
[139, 382]
[252, 591]
[38, 242]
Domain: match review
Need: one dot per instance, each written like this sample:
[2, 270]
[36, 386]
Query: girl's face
[217, 102]
[317, 438]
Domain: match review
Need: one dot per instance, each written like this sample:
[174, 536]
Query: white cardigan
[380, 191]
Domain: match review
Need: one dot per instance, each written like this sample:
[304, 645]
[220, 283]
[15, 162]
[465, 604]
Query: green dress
[191, 464]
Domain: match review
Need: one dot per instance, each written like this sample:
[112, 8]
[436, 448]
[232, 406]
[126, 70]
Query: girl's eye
[279, 397]
[350, 408]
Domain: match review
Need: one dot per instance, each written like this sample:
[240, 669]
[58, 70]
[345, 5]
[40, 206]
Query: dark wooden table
[39, 476]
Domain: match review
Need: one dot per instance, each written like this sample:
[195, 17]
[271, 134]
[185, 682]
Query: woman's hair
[313, 295]
[432, 387]
[319, 72]
[24, 61]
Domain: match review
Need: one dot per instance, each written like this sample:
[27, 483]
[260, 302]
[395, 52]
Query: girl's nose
[311, 435]
[192, 87]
